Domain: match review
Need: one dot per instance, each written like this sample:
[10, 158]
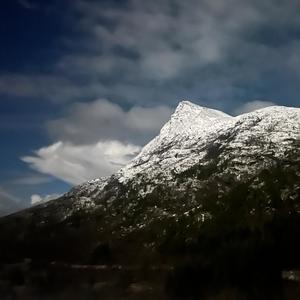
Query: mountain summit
[188, 122]
[192, 130]
[210, 189]
[187, 108]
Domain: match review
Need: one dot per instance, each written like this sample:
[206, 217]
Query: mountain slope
[197, 146]
[210, 186]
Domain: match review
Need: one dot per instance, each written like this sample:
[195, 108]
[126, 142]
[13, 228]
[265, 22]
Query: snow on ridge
[187, 122]
[186, 106]
[183, 139]
[191, 127]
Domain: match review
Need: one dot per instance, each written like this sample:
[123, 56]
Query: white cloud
[37, 199]
[78, 163]
[88, 123]
[162, 65]
[96, 139]
[252, 105]
[166, 46]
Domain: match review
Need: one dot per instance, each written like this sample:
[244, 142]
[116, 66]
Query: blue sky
[84, 84]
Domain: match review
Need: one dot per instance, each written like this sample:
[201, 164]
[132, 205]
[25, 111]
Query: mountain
[213, 199]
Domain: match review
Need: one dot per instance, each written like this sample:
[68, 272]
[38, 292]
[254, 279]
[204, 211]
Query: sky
[84, 84]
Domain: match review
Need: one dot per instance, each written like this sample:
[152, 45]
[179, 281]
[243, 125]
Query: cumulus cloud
[78, 163]
[38, 199]
[158, 41]
[252, 105]
[96, 139]
[202, 49]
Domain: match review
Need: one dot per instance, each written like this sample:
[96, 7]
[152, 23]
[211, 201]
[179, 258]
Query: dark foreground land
[58, 281]
[236, 245]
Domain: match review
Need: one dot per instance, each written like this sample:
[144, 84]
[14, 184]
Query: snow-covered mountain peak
[192, 128]
[189, 118]
[197, 145]
[189, 124]
[185, 105]
[186, 109]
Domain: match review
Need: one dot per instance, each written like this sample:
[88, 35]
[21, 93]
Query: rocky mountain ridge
[211, 203]
[194, 132]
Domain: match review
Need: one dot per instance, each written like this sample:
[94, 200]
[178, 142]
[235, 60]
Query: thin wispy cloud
[31, 180]
[6, 195]
[9, 202]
